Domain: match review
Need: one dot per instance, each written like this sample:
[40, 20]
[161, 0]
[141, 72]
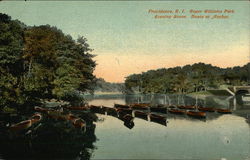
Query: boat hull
[121, 106]
[196, 114]
[206, 109]
[224, 111]
[142, 115]
[176, 111]
[158, 109]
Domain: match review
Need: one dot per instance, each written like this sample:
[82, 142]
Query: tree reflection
[50, 139]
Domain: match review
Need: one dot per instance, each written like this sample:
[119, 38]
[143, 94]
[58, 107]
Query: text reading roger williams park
[191, 14]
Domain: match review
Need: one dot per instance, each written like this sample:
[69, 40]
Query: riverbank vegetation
[187, 79]
[104, 87]
[41, 62]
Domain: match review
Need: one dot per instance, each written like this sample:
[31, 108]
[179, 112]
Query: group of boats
[50, 113]
[23, 125]
[126, 113]
[193, 111]
[146, 111]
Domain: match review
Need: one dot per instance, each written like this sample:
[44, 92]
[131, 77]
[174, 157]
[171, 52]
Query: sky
[127, 39]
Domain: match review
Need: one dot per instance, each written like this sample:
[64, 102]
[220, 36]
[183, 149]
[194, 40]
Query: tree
[11, 64]
[189, 78]
[41, 62]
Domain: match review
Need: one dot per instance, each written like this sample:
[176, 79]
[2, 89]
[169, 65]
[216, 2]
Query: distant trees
[41, 62]
[103, 86]
[189, 78]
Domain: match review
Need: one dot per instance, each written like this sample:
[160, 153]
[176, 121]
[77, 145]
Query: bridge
[231, 91]
[237, 90]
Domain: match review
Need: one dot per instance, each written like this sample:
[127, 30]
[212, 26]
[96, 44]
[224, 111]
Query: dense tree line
[41, 62]
[186, 79]
[103, 86]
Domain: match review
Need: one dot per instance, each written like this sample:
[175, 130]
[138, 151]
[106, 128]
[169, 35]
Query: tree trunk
[30, 65]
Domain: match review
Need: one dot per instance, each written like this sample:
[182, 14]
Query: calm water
[219, 137]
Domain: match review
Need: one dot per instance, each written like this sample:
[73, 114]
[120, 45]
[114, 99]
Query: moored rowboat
[176, 111]
[36, 118]
[40, 109]
[142, 115]
[139, 107]
[186, 107]
[224, 111]
[196, 114]
[124, 111]
[206, 109]
[121, 106]
[127, 118]
[110, 111]
[141, 104]
[21, 126]
[97, 109]
[158, 109]
[79, 123]
[83, 108]
[157, 117]
[171, 106]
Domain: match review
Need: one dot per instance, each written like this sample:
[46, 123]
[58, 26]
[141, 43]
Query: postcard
[125, 79]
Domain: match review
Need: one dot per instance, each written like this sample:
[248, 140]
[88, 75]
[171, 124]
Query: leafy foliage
[189, 78]
[41, 62]
[103, 86]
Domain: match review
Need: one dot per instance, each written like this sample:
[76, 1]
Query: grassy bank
[107, 93]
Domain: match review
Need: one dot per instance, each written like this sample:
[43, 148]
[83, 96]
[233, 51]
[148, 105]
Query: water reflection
[219, 136]
[226, 137]
[140, 134]
[50, 139]
[229, 102]
[224, 102]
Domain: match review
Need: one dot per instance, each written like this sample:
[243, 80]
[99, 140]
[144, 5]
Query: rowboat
[158, 120]
[128, 121]
[36, 118]
[142, 115]
[110, 111]
[127, 118]
[176, 111]
[224, 111]
[79, 123]
[21, 126]
[139, 106]
[156, 117]
[158, 109]
[196, 114]
[171, 106]
[121, 106]
[40, 109]
[79, 108]
[187, 107]
[161, 105]
[97, 109]
[124, 111]
[71, 117]
[129, 125]
[57, 115]
[206, 109]
[127, 110]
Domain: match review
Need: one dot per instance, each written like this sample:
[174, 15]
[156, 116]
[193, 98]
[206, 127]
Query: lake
[176, 137]
[219, 137]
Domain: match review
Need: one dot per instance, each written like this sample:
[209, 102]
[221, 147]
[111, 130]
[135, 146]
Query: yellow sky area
[114, 67]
